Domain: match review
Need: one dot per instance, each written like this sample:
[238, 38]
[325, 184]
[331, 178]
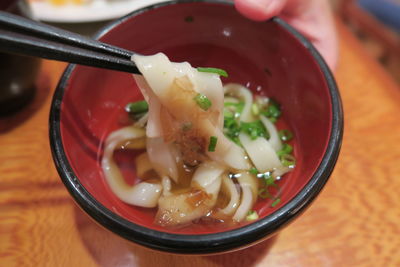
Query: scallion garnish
[238, 107]
[286, 149]
[276, 202]
[285, 135]
[254, 129]
[137, 107]
[263, 193]
[253, 171]
[228, 114]
[273, 111]
[220, 72]
[270, 189]
[202, 101]
[255, 109]
[231, 129]
[230, 123]
[288, 160]
[212, 144]
[270, 181]
[252, 215]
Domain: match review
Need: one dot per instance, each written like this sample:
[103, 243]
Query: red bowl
[270, 57]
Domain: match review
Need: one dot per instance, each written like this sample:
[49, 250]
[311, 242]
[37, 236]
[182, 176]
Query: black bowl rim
[206, 243]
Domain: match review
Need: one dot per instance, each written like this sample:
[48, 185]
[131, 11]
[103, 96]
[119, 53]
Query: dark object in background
[381, 41]
[388, 12]
[17, 73]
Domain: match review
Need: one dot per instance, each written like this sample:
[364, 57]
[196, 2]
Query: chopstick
[27, 37]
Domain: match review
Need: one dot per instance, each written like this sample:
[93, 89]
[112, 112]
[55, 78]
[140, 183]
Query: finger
[317, 24]
[329, 52]
[260, 9]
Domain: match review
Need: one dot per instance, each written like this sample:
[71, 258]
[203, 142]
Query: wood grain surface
[354, 222]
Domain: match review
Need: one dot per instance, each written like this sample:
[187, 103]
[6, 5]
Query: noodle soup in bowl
[290, 87]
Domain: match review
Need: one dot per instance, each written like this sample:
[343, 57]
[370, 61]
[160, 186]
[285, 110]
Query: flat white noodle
[143, 165]
[125, 134]
[166, 183]
[142, 121]
[159, 151]
[160, 74]
[245, 178]
[236, 158]
[205, 176]
[245, 205]
[260, 152]
[162, 158]
[142, 194]
[159, 68]
[176, 209]
[234, 196]
[153, 128]
[210, 85]
[280, 171]
[242, 92]
[142, 84]
[249, 185]
[274, 139]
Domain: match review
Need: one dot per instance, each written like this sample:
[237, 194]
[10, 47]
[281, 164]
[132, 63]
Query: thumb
[260, 9]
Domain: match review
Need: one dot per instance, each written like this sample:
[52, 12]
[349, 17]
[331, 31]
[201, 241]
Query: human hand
[312, 18]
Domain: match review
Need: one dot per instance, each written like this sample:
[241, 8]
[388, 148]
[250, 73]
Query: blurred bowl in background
[17, 73]
[86, 11]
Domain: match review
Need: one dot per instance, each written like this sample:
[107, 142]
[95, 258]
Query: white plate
[96, 10]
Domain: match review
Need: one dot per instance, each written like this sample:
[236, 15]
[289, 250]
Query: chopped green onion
[220, 72]
[264, 175]
[264, 193]
[254, 129]
[286, 149]
[253, 171]
[202, 101]
[232, 129]
[252, 215]
[276, 202]
[273, 110]
[285, 135]
[270, 181]
[288, 160]
[238, 107]
[230, 123]
[271, 189]
[229, 104]
[255, 110]
[213, 143]
[137, 107]
[228, 114]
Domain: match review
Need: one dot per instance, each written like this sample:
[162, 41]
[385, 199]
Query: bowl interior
[261, 55]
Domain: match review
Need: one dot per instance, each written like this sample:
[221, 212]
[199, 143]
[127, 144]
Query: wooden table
[354, 222]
